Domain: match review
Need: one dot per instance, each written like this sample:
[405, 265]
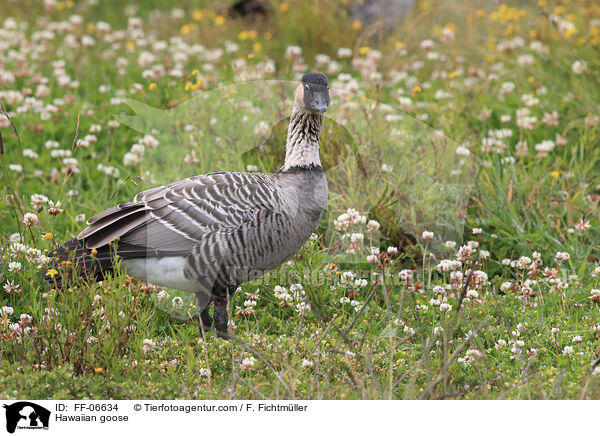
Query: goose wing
[172, 219]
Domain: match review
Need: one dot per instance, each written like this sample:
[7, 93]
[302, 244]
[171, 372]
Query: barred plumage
[208, 234]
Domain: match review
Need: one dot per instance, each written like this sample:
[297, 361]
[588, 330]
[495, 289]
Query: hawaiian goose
[208, 234]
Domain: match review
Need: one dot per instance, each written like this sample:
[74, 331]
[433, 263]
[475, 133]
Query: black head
[316, 92]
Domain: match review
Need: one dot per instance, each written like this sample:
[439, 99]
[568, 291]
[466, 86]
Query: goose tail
[73, 259]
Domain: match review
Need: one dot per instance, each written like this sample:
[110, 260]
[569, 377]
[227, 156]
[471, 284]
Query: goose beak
[319, 102]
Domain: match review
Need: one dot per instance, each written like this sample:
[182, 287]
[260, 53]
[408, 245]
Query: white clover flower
[427, 235]
[148, 345]
[131, 159]
[357, 237]
[162, 295]
[204, 372]
[568, 350]
[307, 363]
[426, 44]
[462, 151]
[594, 295]
[545, 147]
[583, 226]
[149, 141]
[373, 226]
[29, 153]
[6, 311]
[262, 128]
[347, 277]
[344, 52]
[293, 51]
[472, 293]
[405, 274]
[445, 307]
[562, 257]
[15, 267]
[30, 219]
[372, 258]
[247, 363]
[579, 66]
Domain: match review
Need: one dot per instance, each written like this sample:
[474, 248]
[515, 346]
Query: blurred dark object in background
[249, 9]
[390, 13]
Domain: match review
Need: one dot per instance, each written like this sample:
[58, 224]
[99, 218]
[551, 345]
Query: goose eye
[306, 87]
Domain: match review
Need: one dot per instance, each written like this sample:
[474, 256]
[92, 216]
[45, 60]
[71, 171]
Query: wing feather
[175, 217]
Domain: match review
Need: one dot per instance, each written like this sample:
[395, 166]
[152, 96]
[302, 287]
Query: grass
[512, 320]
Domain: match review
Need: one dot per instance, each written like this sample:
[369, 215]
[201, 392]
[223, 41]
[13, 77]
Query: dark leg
[221, 319]
[205, 320]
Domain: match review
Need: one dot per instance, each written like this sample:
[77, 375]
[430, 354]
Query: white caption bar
[146, 417]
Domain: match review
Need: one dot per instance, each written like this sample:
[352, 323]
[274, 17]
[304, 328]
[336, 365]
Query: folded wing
[172, 219]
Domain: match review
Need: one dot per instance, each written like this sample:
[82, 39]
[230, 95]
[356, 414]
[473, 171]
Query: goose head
[313, 93]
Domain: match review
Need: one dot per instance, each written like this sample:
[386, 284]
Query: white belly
[165, 271]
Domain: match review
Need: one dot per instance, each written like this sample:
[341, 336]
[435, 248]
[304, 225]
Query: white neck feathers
[302, 145]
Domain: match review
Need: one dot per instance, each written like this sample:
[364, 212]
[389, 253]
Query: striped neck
[302, 145]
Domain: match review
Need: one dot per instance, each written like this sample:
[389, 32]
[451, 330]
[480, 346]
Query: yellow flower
[398, 45]
[200, 81]
[244, 34]
[555, 174]
[480, 13]
[283, 7]
[570, 31]
[47, 235]
[197, 15]
[364, 50]
[51, 272]
[99, 370]
[131, 45]
[219, 20]
[94, 251]
[356, 25]
[90, 27]
[187, 28]
[453, 74]
[531, 80]
[257, 46]
[152, 86]
[424, 5]
[195, 72]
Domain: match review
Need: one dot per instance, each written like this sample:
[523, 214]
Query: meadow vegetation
[384, 301]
